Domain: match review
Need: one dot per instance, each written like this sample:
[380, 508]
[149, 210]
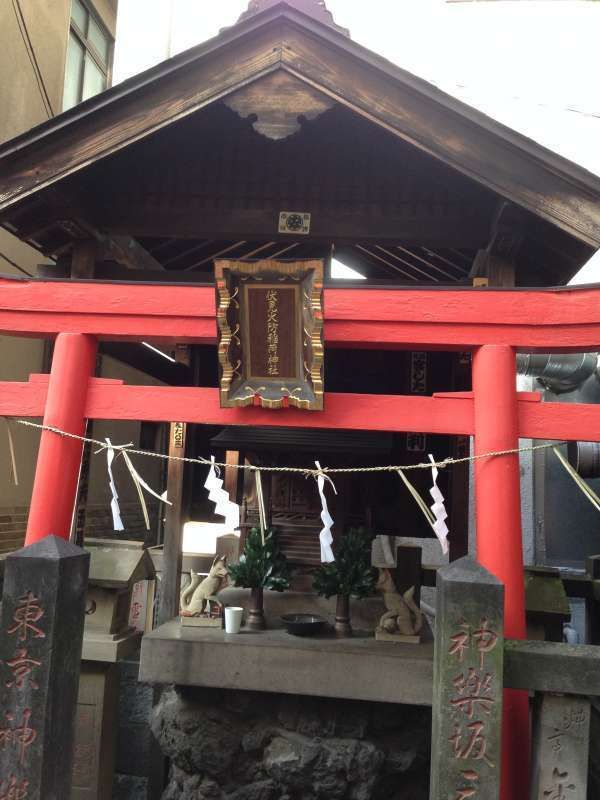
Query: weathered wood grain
[67, 149]
[465, 139]
[173, 536]
[277, 101]
[468, 141]
[250, 224]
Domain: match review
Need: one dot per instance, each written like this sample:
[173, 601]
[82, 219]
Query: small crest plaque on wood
[270, 333]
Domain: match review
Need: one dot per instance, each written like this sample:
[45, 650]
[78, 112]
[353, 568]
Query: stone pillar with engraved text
[41, 636]
[467, 689]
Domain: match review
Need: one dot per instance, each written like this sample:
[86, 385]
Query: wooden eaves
[283, 38]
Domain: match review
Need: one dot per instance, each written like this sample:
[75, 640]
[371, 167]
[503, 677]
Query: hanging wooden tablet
[270, 333]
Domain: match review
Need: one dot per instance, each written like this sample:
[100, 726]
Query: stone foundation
[234, 745]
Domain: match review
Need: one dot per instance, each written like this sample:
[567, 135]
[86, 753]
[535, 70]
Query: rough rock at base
[234, 745]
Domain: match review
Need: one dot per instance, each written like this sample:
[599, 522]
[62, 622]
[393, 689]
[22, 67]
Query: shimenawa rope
[308, 472]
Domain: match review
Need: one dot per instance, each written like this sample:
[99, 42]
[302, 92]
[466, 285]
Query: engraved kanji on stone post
[467, 690]
[41, 635]
[561, 743]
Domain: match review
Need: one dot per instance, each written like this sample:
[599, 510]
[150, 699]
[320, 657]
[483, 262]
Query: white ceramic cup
[233, 619]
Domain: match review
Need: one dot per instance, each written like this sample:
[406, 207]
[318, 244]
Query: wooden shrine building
[283, 139]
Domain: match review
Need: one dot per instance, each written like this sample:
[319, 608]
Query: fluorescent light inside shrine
[201, 537]
[160, 352]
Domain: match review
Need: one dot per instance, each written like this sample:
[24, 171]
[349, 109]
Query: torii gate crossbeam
[492, 324]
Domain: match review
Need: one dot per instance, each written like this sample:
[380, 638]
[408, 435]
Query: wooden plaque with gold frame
[270, 333]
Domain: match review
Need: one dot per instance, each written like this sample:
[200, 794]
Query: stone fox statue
[197, 593]
[403, 615]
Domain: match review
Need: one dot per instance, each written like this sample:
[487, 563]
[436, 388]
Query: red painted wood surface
[442, 413]
[59, 458]
[499, 538]
[558, 320]
[546, 320]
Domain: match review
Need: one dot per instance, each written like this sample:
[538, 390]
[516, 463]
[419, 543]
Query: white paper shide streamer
[438, 509]
[114, 502]
[325, 536]
[138, 482]
[224, 507]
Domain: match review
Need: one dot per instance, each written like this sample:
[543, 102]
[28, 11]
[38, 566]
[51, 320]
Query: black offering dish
[304, 624]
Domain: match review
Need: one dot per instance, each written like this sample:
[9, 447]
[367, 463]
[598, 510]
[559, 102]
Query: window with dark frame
[89, 54]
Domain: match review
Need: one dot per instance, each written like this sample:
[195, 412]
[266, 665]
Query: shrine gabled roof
[282, 37]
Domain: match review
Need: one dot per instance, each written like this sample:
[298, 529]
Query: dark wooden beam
[171, 576]
[496, 265]
[127, 251]
[83, 259]
[262, 224]
[71, 217]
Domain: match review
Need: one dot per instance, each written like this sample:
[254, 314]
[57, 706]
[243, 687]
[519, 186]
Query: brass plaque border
[236, 388]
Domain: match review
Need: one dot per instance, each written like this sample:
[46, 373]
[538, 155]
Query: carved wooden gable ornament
[270, 333]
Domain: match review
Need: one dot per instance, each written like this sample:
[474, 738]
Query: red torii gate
[492, 324]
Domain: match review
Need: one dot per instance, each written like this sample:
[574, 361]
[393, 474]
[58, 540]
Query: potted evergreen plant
[261, 566]
[350, 575]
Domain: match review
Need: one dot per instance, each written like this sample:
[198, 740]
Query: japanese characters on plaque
[270, 330]
[138, 610]
[272, 333]
[178, 432]
[273, 367]
[417, 442]
[561, 739]
[18, 728]
[418, 373]
[467, 707]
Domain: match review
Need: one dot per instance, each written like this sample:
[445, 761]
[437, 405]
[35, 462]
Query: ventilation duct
[560, 372]
[585, 458]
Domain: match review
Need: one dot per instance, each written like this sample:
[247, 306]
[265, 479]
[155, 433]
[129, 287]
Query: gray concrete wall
[48, 29]
[47, 24]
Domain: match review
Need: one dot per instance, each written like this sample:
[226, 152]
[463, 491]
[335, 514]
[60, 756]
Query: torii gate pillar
[499, 538]
[59, 458]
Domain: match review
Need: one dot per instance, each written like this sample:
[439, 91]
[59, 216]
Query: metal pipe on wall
[562, 372]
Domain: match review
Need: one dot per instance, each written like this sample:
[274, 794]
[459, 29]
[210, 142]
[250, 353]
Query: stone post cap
[51, 547]
[466, 570]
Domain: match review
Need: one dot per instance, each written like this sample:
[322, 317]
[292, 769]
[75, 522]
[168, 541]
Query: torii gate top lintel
[492, 324]
[563, 319]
